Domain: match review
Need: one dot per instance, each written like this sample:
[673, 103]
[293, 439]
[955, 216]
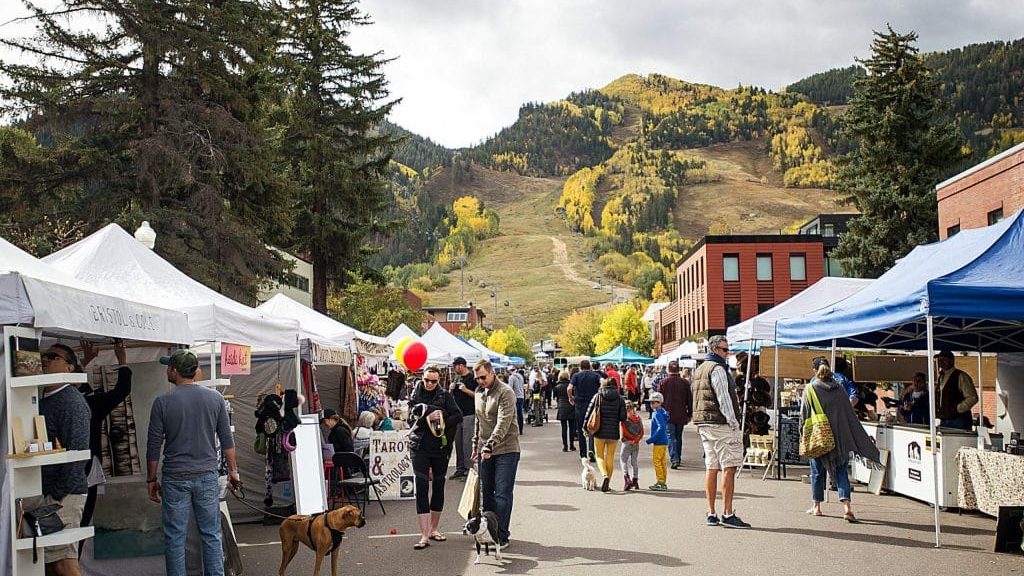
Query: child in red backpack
[632, 434]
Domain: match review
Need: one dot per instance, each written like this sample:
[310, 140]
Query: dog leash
[235, 492]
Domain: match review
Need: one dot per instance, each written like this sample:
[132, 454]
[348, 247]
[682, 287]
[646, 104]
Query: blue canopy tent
[623, 354]
[965, 293]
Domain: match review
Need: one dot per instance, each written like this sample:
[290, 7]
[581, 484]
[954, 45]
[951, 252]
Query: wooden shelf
[63, 457]
[48, 380]
[65, 536]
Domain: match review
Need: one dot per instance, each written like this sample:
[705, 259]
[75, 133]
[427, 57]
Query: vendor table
[909, 470]
[989, 480]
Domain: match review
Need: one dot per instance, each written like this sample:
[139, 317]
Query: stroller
[536, 415]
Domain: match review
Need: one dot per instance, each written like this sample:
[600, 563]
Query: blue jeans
[497, 479]
[181, 499]
[840, 474]
[675, 444]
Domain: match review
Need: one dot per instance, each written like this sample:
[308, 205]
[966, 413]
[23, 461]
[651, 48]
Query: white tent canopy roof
[112, 260]
[435, 355]
[487, 352]
[314, 325]
[36, 293]
[437, 337]
[824, 292]
[686, 349]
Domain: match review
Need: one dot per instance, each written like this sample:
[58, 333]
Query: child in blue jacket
[659, 441]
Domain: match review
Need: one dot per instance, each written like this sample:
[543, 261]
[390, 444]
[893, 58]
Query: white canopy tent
[437, 337]
[435, 355]
[112, 260]
[687, 349]
[319, 327]
[487, 352]
[36, 294]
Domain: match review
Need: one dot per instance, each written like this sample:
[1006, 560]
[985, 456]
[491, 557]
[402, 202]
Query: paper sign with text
[391, 465]
[235, 359]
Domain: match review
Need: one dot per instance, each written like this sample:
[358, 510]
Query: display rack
[761, 453]
[22, 396]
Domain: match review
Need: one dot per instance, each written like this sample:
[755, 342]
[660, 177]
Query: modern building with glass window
[724, 280]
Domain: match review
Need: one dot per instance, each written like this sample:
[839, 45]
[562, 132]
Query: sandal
[438, 537]
[814, 512]
[849, 517]
[420, 545]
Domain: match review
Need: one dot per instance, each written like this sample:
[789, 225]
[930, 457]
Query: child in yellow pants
[659, 441]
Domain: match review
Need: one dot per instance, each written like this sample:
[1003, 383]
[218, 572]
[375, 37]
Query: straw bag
[817, 439]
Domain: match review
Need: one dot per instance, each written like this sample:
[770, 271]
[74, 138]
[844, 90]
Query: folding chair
[356, 485]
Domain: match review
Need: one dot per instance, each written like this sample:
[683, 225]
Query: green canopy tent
[623, 354]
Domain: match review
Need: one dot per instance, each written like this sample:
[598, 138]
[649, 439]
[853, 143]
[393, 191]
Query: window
[953, 230]
[764, 267]
[295, 281]
[812, 230]
[798, 267]
[457, 317]
[732, 314]
[764, 307]
[833, 267]
[731, 267]
[830, 231]
[995, 216]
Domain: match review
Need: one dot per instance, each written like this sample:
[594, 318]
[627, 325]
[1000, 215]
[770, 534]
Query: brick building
[724, 280]
[983, 194]
[454, 318]
[830, 227]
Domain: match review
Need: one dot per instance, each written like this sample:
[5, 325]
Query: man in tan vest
[715, 410]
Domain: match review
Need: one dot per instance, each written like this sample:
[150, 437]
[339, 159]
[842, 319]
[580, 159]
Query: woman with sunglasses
[434, 418]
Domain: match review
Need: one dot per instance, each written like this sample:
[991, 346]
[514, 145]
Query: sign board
[235, 359]
[894, 368]
[307, 467]
[391, 464]
[793, 363]
[789, 440]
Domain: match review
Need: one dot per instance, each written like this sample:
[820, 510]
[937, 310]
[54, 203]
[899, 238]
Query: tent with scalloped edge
[438, 338]
[623, 354]
[434, 354]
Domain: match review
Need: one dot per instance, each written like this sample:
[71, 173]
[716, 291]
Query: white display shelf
[49, 379]
[65, 536]
[47, 459]
[214, 383]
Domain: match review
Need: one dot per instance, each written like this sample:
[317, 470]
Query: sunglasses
[434, 380]
[481, 378]
[54, 356]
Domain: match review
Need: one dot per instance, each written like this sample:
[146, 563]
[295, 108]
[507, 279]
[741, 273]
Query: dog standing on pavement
[589, 476]
[484, 529]
[321, 533]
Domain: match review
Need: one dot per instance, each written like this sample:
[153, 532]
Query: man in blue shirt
[583, 386]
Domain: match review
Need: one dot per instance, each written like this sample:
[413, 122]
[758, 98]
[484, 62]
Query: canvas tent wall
[964, 293]
[440, 339]
[687, 349]
[33, 293]
[435, 355]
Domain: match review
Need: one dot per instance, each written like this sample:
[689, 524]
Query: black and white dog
[484, 529]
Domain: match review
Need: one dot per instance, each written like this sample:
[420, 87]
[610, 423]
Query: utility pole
[462, 278]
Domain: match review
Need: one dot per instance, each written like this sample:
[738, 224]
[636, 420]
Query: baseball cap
[459, 361]
[184, 361]
[656, 397]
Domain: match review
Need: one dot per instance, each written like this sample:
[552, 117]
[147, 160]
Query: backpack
[633, 430]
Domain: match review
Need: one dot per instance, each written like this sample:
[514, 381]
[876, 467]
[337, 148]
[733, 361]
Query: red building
[724, 280]
[454, 318]
[983, 194]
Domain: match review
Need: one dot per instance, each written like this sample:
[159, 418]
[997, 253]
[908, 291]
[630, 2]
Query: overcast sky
[464, 67]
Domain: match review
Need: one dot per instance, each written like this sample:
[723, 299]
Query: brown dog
[320, 532]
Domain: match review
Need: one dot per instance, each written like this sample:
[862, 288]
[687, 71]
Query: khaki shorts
[71, 513]
[723, 446]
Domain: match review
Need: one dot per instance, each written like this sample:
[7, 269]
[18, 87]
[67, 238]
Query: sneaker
[628, 483]
[636, 484]
[713, 520]
[675, 465]
[604, 485]
[658, 487]
[734, 522]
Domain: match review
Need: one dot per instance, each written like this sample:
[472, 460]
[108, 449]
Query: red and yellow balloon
[411, 353]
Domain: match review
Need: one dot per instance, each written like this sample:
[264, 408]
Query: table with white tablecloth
[989, 480]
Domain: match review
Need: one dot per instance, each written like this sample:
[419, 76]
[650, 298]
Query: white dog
[589, 476]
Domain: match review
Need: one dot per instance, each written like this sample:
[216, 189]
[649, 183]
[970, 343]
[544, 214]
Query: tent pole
[746, 387]
[981, 402]
[832, 362]
[932, 391]
[213, 360]
[298, 379]
[778, 411]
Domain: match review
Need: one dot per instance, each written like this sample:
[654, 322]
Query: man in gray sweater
[187, 422]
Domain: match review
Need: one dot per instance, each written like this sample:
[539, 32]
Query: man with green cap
[187, 422]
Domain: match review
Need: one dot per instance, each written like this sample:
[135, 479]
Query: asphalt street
[558, 528]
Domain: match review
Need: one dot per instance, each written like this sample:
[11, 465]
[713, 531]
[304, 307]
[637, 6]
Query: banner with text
[391, 465]
[235, 359]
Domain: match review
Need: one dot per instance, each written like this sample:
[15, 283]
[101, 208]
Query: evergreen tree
[903, 149]
[157, 115]
[336, 152]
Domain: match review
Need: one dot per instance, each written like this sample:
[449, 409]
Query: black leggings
[568, 432]
[421, 465]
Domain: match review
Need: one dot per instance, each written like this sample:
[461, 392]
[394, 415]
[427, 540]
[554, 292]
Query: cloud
[464, 67]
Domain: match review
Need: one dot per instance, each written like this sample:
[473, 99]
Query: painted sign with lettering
[391, 465]
[235, 359]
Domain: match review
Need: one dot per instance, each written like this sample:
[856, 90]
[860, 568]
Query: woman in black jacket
[566, 412]
[434, 418]
[606, 440]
